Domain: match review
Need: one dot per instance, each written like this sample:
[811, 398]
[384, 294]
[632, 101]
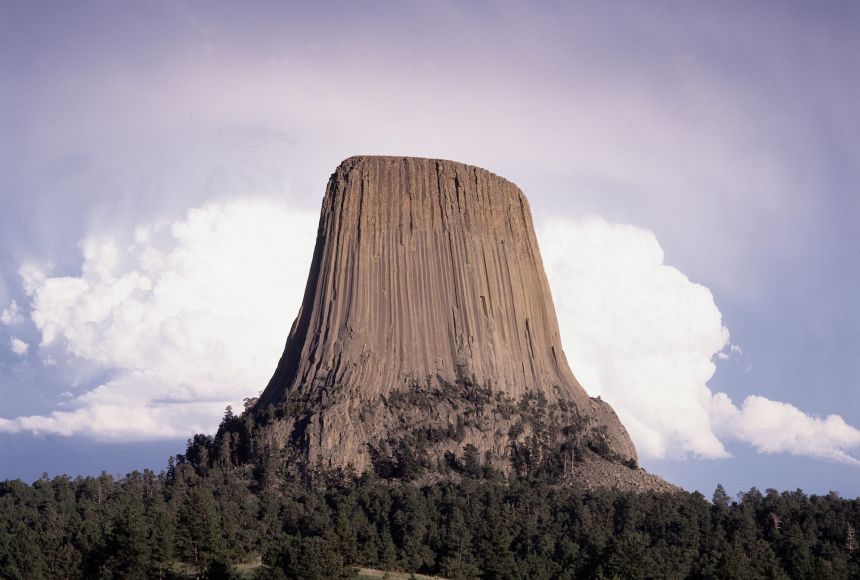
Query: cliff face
[426, 297]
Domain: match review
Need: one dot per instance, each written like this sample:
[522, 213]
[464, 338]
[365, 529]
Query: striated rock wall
[426, 275]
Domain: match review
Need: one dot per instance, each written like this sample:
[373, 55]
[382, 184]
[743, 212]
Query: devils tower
[427, 332]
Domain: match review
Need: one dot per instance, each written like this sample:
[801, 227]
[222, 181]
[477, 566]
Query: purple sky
[730, 132]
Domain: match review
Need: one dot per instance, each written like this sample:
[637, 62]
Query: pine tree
[199, 536]
[721, 499]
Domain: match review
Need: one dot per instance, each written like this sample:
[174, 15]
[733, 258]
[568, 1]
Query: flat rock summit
[427, 339]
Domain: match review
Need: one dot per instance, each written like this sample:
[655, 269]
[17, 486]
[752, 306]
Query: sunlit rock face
[427, 310]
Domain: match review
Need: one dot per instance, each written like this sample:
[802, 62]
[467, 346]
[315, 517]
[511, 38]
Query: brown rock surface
[594, 473]
[426, 308]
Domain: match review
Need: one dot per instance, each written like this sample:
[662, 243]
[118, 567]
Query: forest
[215, 513]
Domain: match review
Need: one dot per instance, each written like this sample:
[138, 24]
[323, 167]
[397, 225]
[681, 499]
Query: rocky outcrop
[427, 318]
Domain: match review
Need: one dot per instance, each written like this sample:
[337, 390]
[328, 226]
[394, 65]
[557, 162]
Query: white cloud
[186, 317]
[637, 332]
[31, 277]
[11, 315]
[775, 427]
[18, 346]
[644, 337]
[136, 406]
[733, 349]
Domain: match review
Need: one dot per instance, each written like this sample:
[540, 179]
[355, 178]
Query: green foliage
[544, 439]
[212, 509]
[721, 499]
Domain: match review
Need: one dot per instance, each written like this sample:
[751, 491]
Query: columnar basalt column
[426, 273]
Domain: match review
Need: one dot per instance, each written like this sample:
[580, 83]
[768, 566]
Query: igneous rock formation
[427, 331]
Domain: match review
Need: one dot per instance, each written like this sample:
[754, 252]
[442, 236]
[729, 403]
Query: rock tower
[427, 323]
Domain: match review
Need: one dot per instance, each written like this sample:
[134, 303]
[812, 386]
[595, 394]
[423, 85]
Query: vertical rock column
[425, 273]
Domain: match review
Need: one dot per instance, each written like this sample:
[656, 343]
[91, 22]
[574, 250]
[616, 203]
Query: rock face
[427, 318]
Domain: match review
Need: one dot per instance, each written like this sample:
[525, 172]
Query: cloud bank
[774, 427]
[183, 318]
[640, 334]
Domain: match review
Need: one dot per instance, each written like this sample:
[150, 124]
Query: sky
[691, 169]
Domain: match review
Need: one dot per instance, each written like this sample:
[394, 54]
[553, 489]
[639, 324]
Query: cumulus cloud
[640, 334]
[11, 315]
[18, 346]
[184, 317]
[774, 427]
[637, 332]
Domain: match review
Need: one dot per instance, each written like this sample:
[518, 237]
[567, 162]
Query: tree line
[220, 504]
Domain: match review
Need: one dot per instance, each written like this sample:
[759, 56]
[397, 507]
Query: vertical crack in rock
[426, 278]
